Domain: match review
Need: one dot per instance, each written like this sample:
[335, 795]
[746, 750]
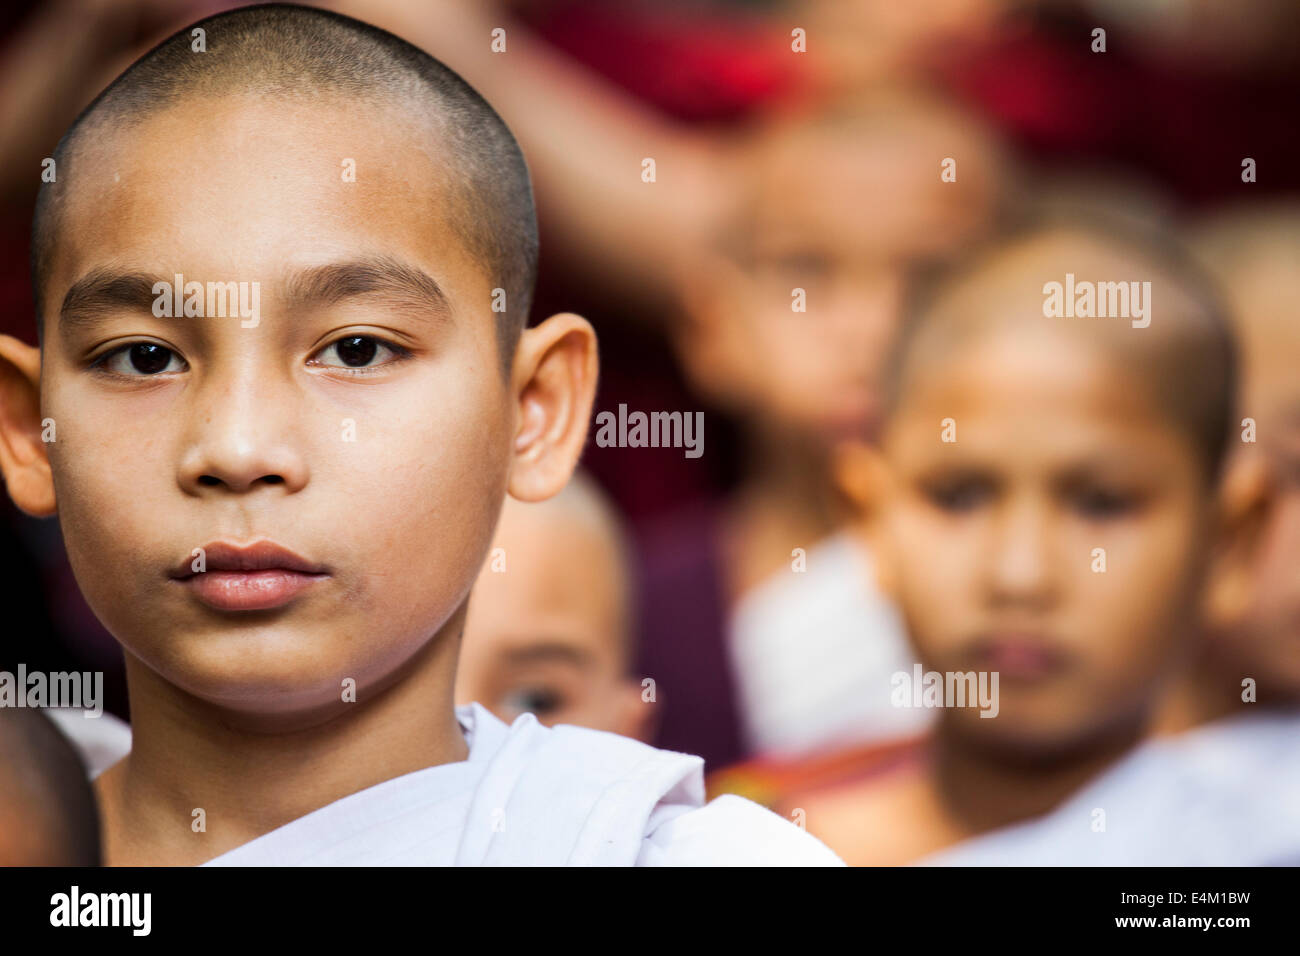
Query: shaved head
[1185, 359]
[1253, 251]
[582, 519]
[310, 57]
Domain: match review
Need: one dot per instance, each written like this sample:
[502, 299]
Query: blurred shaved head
[1186, 359]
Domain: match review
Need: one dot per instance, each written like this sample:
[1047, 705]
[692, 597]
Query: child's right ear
[1247, 496]
[554, 380]
[23, 460]
[863, 479]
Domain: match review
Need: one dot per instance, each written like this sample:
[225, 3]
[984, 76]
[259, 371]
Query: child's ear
[23, 460]
[863, 479]
[1247, 496]
[554, 381]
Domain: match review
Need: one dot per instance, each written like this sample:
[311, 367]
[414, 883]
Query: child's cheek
[937, 562]
[1142, 603]
[431, 489]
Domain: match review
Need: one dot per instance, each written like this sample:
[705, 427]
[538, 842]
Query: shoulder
[1221, 795]
[584, 797]
[887, 820]
[732, 831]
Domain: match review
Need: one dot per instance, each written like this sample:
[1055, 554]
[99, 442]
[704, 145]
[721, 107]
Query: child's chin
[1019, 721]
[1039, 736]
[271, 704]
[264, 673]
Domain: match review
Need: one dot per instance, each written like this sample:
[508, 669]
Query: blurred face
[990, 539]
[362, 423]
[1265, 642]
[845, 217]
[546, 630]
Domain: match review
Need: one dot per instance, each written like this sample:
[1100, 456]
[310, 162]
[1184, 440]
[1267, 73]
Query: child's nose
[1019, 563]
[242, 438]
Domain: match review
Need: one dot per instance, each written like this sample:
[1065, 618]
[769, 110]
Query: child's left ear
[1246, 499]
[863, 479]
[554, 381]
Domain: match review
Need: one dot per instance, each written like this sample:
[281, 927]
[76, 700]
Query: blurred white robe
[1226, 794]
[101, 740]
[813, 653]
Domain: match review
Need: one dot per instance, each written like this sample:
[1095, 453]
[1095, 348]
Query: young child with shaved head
[550, 625]
[1044, 504]
[279, 510]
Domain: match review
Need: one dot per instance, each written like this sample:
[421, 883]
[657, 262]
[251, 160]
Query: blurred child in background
[1252, 652]
[789, 315]
[1043, 505]
[549, 629]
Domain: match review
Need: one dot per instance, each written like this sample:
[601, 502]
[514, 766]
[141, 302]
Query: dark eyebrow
[381, 275]
[549, 651]
[104, 290]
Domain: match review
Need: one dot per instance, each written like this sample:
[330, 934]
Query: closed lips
[260, 556]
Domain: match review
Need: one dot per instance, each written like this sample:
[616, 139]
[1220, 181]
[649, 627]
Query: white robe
[101, 740]
[530, 795]
[1226, 794]
[813, 654]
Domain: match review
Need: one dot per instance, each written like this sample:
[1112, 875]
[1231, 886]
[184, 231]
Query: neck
[981, 791]
[1207, 690]
[251, 776]
[789, 474]
[787, 502]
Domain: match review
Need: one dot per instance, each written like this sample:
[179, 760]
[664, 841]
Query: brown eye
[149, 359]
[539, 701]
[359, 352]
[141, 359]
[960, 496]
[1100, 503]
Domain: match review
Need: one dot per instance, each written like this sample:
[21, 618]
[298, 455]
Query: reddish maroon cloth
[683, 638]
[17, 315]
[1185, 124]
[702, 66]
